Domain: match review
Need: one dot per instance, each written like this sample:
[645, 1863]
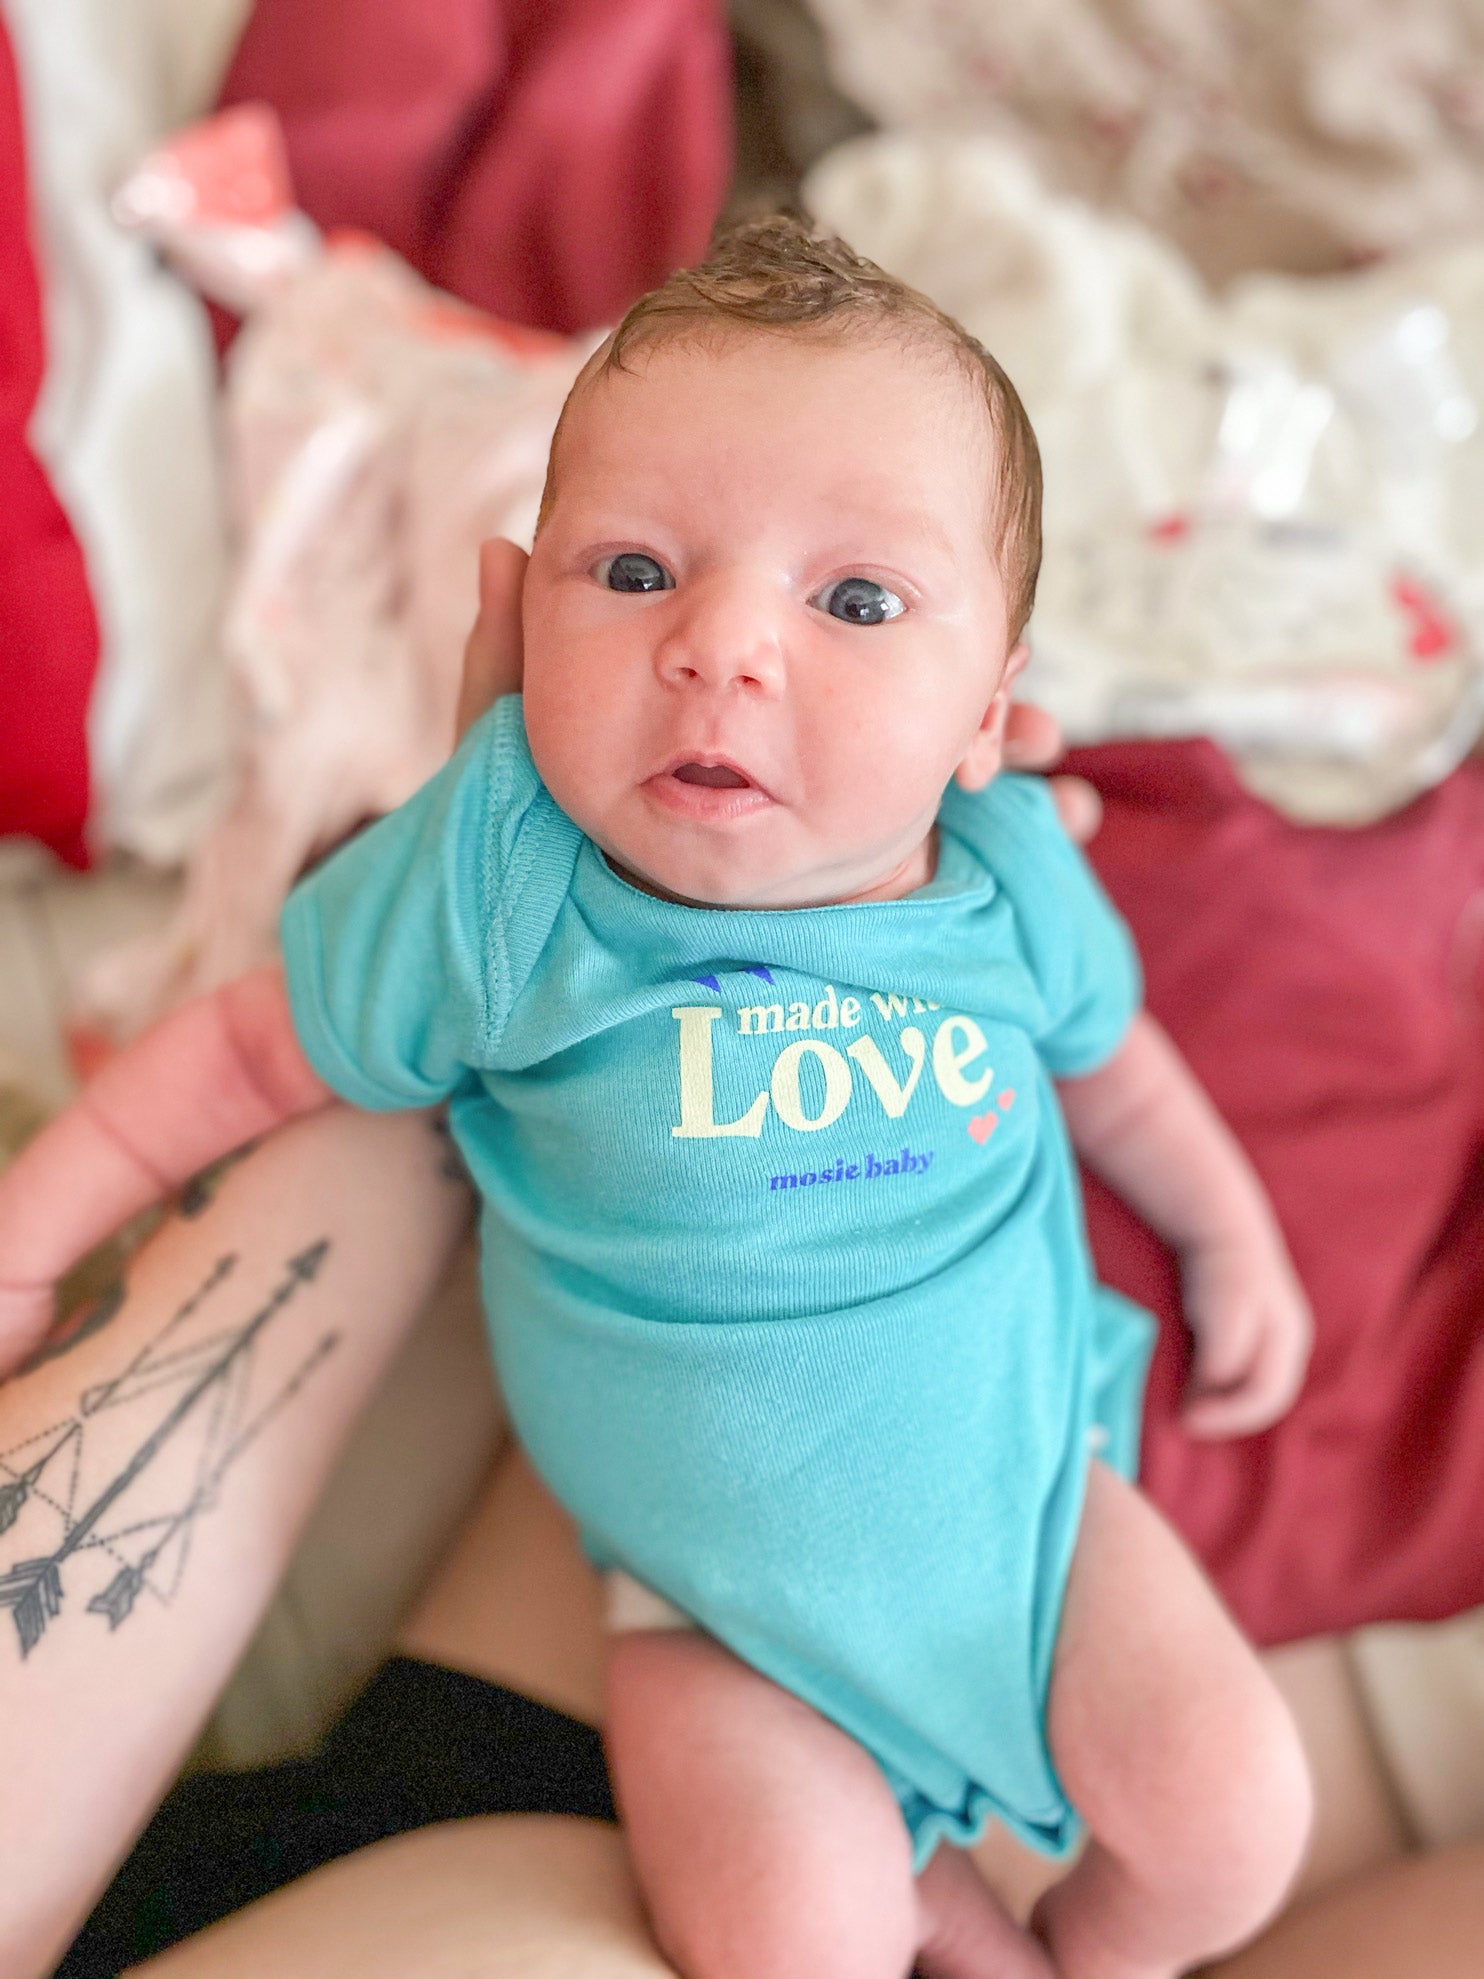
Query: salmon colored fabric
[547, 160]
[48, 632]
[1328, 988]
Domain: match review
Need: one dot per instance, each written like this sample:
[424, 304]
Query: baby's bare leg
[767, 1843]
[1176, 1748]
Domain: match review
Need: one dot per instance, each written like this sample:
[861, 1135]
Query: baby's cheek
[563, 728]
[893, 775]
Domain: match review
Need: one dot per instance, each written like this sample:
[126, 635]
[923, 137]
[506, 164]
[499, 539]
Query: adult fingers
[492, 652]
[1033, 741]
[1032, 737]
[1078, 806]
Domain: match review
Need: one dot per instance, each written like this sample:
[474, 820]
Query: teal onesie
[784, 1262]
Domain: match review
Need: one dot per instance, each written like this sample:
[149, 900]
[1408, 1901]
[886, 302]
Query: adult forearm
[1144, 1125]
[156, 1465]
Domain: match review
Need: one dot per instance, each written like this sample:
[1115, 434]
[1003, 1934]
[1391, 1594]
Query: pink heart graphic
[983, 1125]
[1006, 1099]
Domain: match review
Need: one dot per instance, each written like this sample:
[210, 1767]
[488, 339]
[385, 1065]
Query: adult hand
[1033, 742]
[492, 667]
[492, 652]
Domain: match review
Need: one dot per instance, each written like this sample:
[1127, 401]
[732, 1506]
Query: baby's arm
[1143, 1124]
[211, 1076]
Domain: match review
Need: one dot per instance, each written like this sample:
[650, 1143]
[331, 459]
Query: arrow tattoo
[117, 1599]
[13, 1496]
[32, 1589]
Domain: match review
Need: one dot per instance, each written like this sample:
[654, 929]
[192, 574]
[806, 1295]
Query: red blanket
[546, 159]
[48, 633]
[1328, 988]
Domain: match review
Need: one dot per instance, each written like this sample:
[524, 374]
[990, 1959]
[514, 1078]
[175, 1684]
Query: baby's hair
[775, 273]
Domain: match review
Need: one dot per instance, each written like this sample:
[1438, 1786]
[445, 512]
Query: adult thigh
[513, 1897]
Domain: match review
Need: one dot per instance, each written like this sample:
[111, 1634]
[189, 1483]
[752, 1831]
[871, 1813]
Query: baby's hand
[1253, 1331]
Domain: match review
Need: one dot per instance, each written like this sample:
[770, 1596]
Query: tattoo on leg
[206, 1411]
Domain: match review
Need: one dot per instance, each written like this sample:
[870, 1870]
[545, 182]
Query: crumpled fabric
[377, 433]
[548, 160]
[48, 631]
[1251, 134]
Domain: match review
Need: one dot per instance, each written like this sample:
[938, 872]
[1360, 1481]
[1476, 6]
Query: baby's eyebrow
[889, 528]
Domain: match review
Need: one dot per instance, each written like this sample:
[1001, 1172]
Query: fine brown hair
[775, 273]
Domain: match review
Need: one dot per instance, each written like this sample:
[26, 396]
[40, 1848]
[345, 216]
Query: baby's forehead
[957, 433]
[863, 445]
[713, 346]
[697, 366]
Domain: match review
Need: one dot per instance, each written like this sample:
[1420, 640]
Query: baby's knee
[791, 1930]
[1230, 1822]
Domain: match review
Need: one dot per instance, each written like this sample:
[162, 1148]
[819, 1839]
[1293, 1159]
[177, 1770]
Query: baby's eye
[631, 570]
[859, 601]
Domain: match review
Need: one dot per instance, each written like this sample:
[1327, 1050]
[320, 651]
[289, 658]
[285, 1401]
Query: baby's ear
[986, 752]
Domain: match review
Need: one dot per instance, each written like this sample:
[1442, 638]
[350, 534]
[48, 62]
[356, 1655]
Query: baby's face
[763, 622]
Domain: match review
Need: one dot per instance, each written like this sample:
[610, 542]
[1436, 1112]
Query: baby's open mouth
[709, 789]
[715, 776]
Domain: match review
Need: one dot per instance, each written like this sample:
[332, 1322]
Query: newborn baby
[765, 1008]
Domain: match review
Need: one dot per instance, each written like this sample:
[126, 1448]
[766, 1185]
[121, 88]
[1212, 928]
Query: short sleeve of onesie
[1076, 945]
[397, 949]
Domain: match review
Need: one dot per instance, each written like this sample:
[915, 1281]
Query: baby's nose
[723, 635]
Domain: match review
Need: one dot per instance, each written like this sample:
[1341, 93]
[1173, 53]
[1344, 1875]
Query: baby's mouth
[714, 776]
[710, 789]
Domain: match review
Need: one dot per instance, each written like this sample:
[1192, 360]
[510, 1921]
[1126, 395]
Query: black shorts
[421, 1744]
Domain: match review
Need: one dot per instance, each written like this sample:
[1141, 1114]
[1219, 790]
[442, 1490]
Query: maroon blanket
[1328, 988]
[546, 159]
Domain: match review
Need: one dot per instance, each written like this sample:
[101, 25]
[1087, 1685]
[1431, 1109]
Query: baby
[753, 989]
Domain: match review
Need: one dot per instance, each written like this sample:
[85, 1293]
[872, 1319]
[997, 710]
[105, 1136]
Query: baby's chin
[683, 865]
[765, 864]
[741, 886]
[696, 877]
[691, 887]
